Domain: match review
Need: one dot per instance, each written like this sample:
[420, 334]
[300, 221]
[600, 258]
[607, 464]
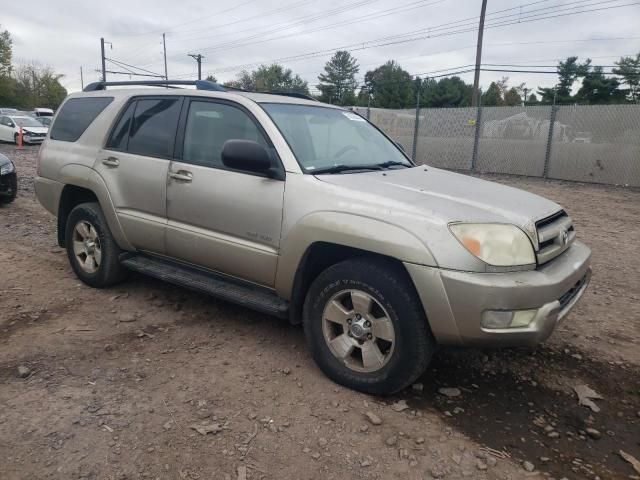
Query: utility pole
[104, 67]
[198, 58]
[524, 101]
[416, 124]
[476, 77]
[81, 78]
[164, 47]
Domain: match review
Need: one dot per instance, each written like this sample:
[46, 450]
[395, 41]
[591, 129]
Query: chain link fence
[586, 143]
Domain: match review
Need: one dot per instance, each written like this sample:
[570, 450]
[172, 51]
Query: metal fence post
[416, 124]
[476, 138]
[547, 158]
[368, 104]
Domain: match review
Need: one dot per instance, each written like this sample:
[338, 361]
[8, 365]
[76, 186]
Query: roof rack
[199, 84]
[292, 94]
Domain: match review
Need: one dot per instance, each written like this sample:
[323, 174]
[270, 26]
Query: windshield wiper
[393, 163]
[345, 168]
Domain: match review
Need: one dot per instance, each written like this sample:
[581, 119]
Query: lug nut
[369, 336]
[358, 317]
[349, 321]
[367, 324]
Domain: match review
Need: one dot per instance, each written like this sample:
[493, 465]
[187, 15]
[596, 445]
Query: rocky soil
[148, 380]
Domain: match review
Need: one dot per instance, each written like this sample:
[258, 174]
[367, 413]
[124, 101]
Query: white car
[32, 130]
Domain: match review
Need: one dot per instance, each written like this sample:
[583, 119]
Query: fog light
[496, 319]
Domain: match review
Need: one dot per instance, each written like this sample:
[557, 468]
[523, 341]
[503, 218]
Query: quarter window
[76, 115]
[153, 127]
[209, 126]
[120, 134]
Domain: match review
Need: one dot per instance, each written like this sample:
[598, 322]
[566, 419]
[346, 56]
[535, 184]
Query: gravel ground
[148, 380]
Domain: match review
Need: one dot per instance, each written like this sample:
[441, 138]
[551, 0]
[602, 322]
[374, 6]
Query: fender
[349, 230]
[86, 177]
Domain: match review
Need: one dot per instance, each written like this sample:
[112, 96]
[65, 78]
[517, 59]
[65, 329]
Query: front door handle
[111, 162]
[182, 176]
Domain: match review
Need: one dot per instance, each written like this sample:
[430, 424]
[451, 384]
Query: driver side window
[209, 125]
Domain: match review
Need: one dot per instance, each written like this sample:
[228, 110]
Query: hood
[35, 129]
[448, 197]
[4, 160]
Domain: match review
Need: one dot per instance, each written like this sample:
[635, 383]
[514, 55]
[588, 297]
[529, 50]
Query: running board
[226, 288]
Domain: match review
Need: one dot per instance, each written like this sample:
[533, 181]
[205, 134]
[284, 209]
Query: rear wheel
[366, 327]
[92, 251]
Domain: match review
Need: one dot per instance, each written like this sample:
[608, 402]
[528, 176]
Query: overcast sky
[65, 35]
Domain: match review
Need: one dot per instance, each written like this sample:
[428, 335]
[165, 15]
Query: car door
[222, 219]
[6, 131]
[134, 165]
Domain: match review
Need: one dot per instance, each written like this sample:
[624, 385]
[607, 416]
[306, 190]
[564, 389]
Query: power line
[376, 43]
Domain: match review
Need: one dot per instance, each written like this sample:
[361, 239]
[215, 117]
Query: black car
[8, 180]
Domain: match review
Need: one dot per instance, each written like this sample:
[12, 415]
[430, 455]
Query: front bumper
[454, 301]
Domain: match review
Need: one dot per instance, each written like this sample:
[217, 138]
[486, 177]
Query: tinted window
[210, 125]
[154, 126]
[76, 115]
[4, 121]
[120, 134]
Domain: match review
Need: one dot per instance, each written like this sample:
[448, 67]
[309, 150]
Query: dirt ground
[148, 380]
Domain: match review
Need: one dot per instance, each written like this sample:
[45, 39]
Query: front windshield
[322, 138]
[27, 122]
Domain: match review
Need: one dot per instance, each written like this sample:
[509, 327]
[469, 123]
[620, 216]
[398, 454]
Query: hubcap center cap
[359, 330]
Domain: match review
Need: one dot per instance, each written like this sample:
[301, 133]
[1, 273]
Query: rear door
[221, 219]
[134, 164]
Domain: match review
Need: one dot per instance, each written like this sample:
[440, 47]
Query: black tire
[109, 271]
[7, 200]
[389, 285]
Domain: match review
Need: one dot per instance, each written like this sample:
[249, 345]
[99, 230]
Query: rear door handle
[111, 162]
[181, 176]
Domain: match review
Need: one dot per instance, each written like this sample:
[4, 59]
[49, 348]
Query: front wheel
[365, 326]
[92, 250]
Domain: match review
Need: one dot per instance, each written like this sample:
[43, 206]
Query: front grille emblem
[564, 238]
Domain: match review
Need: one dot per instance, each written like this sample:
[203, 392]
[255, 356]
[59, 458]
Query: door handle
[181, 176]
[111, 162]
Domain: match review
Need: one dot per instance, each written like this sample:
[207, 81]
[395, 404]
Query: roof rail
[199, 84]
[292, 94]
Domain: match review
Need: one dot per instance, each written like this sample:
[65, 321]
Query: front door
[221, 219]
[134, 165]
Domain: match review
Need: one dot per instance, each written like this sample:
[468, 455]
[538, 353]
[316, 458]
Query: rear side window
[120, 134]
[76, 115]
[153, 127]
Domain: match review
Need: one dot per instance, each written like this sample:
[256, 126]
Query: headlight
[497, 244]
[7, 168]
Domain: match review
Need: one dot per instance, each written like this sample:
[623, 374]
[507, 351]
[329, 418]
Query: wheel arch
[320, 241]
[83, 184]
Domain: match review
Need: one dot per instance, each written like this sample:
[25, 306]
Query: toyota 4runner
[305, 211]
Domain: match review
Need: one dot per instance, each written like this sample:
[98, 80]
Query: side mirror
[11, 124]
[247, 155]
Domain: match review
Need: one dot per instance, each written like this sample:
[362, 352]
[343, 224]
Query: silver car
[306, 211]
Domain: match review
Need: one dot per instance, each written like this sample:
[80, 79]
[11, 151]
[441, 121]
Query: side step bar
[226, 288]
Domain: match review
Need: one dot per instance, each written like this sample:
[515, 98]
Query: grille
[555, 235]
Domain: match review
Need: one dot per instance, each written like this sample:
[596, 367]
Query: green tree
[629, 69]
[446, 92]
[338, 82]
[532, 99]
[211, 78]
[37, 86]
[390, 86]
[7, 85]
[598, 89]
[512, 97]
[271, 78]
[493, 96]
[569, 72]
